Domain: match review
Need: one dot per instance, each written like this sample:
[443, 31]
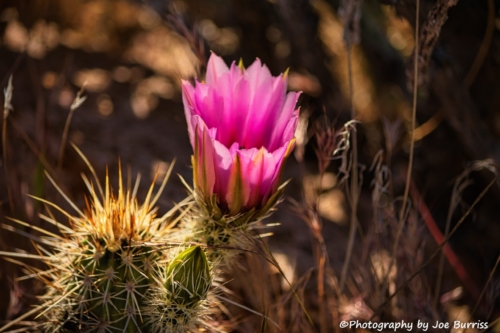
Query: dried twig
[492, 273]
[424, 44]
[177, 23]
[438, 250]
[412, 146]
[33, 147]
[350, 12]
[75, 105]
[460, 184]
[7, 107]
[485, 46]
[353, 194]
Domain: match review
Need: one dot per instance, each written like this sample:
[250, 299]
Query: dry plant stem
[484, 289]
[321, 261]
[490, 325]
[268, 256]
[64, 138]
[439, 238]
[321, 284]
[354, 181]
[311, 220]
[451, 208]
[33, 147]
[483, 49]
[5, 167]
[20, 318]
[76, 103]
[412, 147]
[6, 111]
[429, 34]
[438, 250]
[431, 124]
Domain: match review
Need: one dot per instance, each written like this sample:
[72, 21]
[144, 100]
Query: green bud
[188, 277]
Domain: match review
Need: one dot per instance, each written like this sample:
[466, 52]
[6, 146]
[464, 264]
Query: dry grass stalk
[461, 183]
[350, 12]
[353, 192]
[424, 45]
[440, 247]
[7, 108]
[412, 141]
[75, 105]
[486, 285]
[178, 24]
[485, 46]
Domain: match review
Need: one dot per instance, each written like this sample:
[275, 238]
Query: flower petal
[242, 125]
[188, 97]
[238, 190]
[235, 92]
[208, 105]
[204, 168]
[252, 165]
[215, 68]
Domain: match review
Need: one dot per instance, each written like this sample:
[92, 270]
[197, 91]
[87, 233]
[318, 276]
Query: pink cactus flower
[241, 125]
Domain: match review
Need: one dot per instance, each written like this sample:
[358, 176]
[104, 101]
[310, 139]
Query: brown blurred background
[132, 55]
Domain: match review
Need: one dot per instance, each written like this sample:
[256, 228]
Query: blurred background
[345, 56]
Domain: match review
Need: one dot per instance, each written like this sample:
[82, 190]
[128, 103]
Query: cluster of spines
[225, 236]
[178, 297]
[223, 240]
[113, 270]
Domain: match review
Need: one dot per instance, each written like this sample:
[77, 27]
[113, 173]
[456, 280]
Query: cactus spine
[177, 300]
[102, 268]
[112, 270]
[224, 235]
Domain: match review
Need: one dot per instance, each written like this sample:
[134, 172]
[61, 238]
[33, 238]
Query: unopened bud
[188, 277]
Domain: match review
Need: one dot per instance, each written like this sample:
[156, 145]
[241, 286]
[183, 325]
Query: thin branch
[7, 107]
[75, 105]
[484, 289]
[485, 46]
[438, 250]
[412, 148]
[354, 180]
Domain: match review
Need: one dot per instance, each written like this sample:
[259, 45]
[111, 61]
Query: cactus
[178, 299]
[225, 236]
[103, 270]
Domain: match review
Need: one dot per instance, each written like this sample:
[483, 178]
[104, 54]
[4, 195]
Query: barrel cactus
[179, 297]
[103, 269]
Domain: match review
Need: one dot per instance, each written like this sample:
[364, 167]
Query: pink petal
[279, 156]
[223, 161]
[275, 167]
[205, 175]
[289, 132]
[265, 109]
[238, 189]
[208, 104]
[286, 123]
[252, 165]
[234, 91]
[257, 73]
[215, 68]
[188, 96]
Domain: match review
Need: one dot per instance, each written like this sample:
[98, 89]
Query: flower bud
[188, 277]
